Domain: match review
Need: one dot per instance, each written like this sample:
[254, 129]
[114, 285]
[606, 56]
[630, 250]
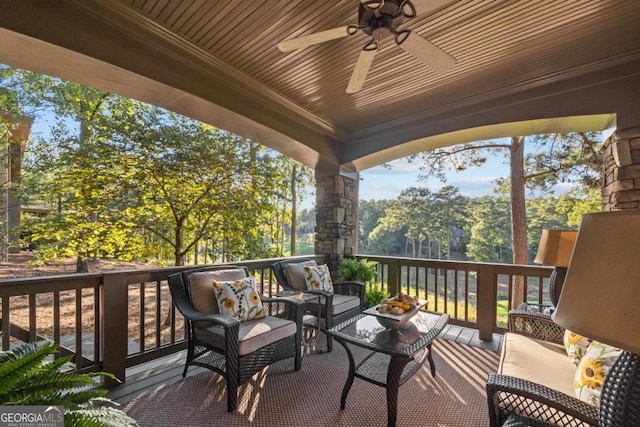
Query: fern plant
[360, 270]
[26, 378]
[363, 270]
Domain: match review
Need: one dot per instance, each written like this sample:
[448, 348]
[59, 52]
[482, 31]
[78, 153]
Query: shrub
[359, 270]
[373, 294]
[27, 379]
[363, 270]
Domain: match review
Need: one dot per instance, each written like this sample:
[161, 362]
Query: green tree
[490, 230]
[555, 158]
[369, 214]
[131, 181]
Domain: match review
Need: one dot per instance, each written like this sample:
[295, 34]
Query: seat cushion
[201, 290]
[539, 361]
[294, 272]
[341, 303]
[253, 334]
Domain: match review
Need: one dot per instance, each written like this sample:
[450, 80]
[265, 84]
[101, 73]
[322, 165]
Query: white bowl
[393, 321]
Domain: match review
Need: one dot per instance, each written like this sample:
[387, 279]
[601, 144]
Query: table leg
[431, 364]
[396, 366]
[352, 374]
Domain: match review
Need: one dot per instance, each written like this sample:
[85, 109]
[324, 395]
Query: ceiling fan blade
[311, 39]
[426, 51]
[426, 6]
[361, 69]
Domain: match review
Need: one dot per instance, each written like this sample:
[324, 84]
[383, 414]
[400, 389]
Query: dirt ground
[23, 265]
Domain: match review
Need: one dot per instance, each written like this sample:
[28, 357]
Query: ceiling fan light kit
[381, 19]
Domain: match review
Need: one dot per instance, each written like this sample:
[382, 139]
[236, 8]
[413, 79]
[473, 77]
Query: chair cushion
[539, 361]
[341, 303]
[203, 296]
[593, 367]
[253, 334]
[239, 299]
[318, 278]
[575, 345]
[294, 272]
[258, 333]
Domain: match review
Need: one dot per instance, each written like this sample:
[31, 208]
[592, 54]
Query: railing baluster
[32, 318]
[466, 295]
[78, 357]
[96, 325]
[142, 317]
[6, 323]
[455, 293]
[56, 320]
[158, 315]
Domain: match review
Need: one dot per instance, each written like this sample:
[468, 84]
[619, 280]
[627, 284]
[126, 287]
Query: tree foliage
[133, 181]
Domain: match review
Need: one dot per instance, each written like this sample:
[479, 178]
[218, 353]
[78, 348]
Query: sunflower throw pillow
[239, 299]
[593, 367]
[575, 345]
[318, 278]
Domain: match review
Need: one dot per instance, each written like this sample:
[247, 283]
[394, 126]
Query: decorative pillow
[593, 367]
[202, 294]
[239, 299]
[296, 275]
[318, 278]
[575, 345]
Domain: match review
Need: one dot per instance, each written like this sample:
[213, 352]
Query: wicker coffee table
[395, 355]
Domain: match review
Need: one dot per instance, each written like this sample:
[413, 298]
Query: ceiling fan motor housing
[381, 21]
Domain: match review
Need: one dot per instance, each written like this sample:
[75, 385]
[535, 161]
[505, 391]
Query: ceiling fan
[380, 19]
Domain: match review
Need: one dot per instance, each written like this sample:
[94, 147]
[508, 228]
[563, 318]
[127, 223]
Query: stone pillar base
[621, 186]
[336, 218]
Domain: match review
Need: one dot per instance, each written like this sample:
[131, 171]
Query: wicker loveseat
[534, 385]
[534, 366]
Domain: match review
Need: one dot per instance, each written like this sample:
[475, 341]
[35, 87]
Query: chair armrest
[506, 395]
[350, 288]
[535, 325]
[294, 307]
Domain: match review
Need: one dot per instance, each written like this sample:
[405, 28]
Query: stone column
[336, 217]
[621, 186]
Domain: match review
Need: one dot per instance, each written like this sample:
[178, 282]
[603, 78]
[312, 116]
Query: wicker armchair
[236, 350]
[346, 301]
[518, 402]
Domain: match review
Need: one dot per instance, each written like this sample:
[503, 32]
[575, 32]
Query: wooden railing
[115, 320]
[475, 295]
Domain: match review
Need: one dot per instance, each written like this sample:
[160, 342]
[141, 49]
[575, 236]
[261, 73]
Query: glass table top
[365, 331]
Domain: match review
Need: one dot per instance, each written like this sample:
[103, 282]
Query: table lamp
[555, 249]
[601, 300]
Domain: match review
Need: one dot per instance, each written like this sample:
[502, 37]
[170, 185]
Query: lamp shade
[601, 294]
[555, 247]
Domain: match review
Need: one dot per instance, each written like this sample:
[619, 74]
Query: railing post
[393, 276]
[114, 310]
[486, 301]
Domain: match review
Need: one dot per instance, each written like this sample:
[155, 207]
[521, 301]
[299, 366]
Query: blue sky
[382, 183]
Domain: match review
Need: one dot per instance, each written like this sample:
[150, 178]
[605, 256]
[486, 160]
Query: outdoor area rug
[278, 396]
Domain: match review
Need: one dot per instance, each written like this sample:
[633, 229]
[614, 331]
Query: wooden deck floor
[152, 376]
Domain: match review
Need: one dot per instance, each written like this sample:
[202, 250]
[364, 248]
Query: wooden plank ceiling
[522, 67]
[499, 46]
